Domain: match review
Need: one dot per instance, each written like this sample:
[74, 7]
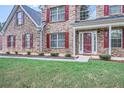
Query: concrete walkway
[80, 59]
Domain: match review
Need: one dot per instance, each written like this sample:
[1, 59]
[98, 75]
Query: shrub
[54, 54]
[41, 54]
[105, 57]
[28, 53]
[8, 52]
[67, 55]
[16, 52]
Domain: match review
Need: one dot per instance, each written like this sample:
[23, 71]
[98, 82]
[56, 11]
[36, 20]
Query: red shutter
[123, 37]
[31, 40]
[66, 39]
[14, 41]
[106, 10]
[8, 41]
[66, 12]
[122, 8]
[48, 16]
[106, 39]
[23, 41]
[48, 40]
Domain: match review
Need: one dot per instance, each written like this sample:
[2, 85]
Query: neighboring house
[74, 29]
[82, 30]
[22, 30]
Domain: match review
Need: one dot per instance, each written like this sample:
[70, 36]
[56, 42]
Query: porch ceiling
[98, 23]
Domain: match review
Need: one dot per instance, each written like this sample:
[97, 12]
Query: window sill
[56, 22]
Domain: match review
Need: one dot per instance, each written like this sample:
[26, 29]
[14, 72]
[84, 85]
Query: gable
[12, 17]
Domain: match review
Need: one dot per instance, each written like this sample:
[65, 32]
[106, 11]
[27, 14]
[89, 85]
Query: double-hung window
[116, 38]
[58, 40]
[57, 14]
[115, 9]
[11, 41]
[27, 40]
[19, 18]
[84, 12]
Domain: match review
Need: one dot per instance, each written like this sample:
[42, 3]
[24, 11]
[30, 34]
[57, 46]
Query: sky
[6, 9]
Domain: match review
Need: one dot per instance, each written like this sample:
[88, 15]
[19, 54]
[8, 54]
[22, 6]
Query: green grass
[33, 73]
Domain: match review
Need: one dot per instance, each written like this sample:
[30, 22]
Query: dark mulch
[94, 60]
[36, 56]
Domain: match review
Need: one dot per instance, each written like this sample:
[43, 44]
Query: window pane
[54, 14]
[115, 9]
[53, 40]
[19, 18]
[11, 41]
[61, 40]
[61, 13]
[27, 40]
[116, 36]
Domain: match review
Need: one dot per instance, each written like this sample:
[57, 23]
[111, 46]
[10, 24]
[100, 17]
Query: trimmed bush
[67, 55]
[41, 54]
[105, 57]
[8, 52]
[54, 54]
[16, 52]
[28, 53]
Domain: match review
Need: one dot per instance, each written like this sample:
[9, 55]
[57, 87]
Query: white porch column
[74, 41]
[110, 47]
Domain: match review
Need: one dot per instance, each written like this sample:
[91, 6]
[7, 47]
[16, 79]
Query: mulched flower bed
[37, 56]
[120, 61]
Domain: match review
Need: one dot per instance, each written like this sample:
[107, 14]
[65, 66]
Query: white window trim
[57, 19]
[93, 52]
[121, 38]
[11, 46]
[26, 41]
[56, 41]
[115, 13]
[22, 19]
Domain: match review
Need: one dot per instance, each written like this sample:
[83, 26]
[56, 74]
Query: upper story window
[86, 12]
[115, 9]
[20, 18]
[57, 13]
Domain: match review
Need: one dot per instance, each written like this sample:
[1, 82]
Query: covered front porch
[95, 37]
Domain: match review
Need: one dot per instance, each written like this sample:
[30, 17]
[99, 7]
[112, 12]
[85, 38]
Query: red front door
[87, 43]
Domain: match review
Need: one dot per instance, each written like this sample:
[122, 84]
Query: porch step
[81, 58]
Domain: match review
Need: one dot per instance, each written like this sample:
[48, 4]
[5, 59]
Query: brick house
[74, 29]
[22, 30]
[84, 29]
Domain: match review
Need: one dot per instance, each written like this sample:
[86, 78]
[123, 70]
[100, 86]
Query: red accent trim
[122, 8]
[8, 41]
[106, 10]
[66, 39]
[123, 38]
[48, 16]
[48, 40]
[106, 39]
[23, 41]
[66, 12]
[31, 41]
[0, 42]
[14, 41]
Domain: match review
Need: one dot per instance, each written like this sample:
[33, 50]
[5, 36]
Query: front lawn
[33, 73]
